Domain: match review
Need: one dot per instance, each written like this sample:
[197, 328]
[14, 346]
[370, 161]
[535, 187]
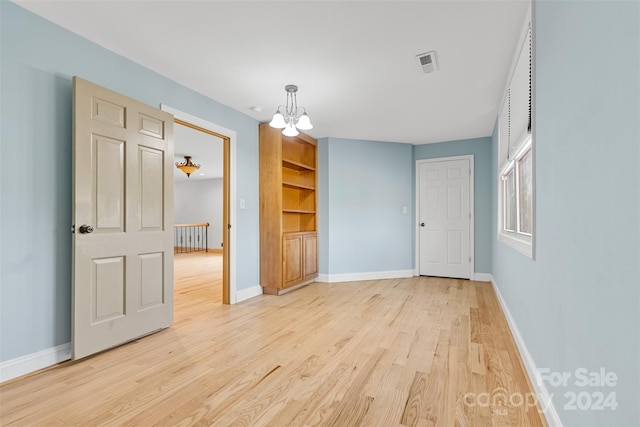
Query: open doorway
[198, 220]
[215, 134]
[229, 233]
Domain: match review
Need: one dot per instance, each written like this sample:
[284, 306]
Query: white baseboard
[479, 277]
[482, 277]
[373, 275]
[23, 365]
[43, 359]
[544, 398]
[251, 292]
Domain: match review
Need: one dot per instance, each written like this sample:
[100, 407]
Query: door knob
[422, 224]
[86, 229]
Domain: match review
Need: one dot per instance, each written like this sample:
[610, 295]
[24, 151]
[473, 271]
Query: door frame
[229, 234]
[470, 158]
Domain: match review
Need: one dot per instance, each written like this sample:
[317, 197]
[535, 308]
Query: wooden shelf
[296, 165]
[300, 211]
[288, 210]
[297, 186]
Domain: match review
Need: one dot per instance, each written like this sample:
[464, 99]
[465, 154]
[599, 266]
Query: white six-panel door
[444, 218]
[123, 218]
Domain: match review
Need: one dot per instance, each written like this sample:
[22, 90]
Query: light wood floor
[413, 352]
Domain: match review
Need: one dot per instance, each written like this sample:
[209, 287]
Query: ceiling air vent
[428, 61]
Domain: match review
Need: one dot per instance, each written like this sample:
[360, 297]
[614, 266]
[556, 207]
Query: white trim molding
[543, 395]
[372, 275]
[23, 365]
[231, 134]
[478, 277]
[245, 294]
[482, 277]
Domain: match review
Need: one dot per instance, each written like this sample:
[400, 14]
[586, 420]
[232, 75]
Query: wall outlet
[405, 210]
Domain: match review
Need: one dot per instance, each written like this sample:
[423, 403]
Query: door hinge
[469, 259]
[73, 229]
[229, 226]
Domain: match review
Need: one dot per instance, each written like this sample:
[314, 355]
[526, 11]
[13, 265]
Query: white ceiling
[205, 150]
[354, 61]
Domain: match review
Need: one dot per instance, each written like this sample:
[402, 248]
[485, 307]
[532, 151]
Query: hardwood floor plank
[415, 401]
[286, 415]
[476, 356]
[320, 393]
[434, 409]
[355, 403]
[399, 352]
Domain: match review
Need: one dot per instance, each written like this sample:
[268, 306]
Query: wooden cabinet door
[310, 243]
[292, 249]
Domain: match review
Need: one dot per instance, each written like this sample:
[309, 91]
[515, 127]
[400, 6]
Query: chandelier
[290, 117]
[187, 166]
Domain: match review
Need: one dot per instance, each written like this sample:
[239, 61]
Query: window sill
[524, 246]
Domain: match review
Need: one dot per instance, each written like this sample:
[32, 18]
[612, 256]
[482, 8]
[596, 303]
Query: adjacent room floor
[415, 352]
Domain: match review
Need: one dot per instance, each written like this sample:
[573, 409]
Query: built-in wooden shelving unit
[288, 210]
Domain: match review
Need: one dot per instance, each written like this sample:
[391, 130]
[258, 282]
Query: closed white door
[123, 219]
[444, 218]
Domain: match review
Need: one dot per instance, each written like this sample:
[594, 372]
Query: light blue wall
[197, 201]
[323, 205]
[368, 184]
[577, 304]
[38, 61]
[480, 148]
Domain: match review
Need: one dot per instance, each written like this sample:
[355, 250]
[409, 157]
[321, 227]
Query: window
[516, 173]
[510, 208]
[517, 192]
[525, 192]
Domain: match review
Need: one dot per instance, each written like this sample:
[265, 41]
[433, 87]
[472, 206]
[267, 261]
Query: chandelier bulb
[290, 130]
[304, 123]
[277, 121]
